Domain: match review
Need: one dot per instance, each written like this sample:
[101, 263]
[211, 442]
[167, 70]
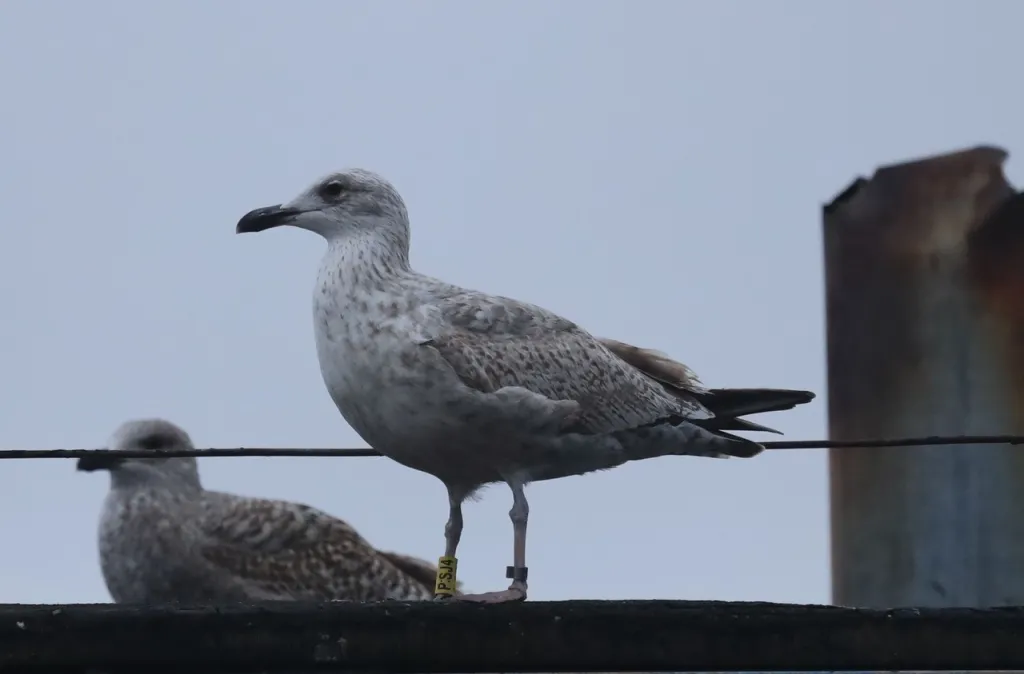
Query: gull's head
[336, 205]
[151, 437]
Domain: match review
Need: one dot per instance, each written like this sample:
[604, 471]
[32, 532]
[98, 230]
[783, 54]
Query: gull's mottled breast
[366, 331]
[140, 541]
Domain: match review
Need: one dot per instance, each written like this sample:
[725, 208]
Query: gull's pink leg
[519, 514]
[452, 529]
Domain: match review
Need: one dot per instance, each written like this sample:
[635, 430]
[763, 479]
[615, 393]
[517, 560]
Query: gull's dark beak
[265, 218]
[105, 461]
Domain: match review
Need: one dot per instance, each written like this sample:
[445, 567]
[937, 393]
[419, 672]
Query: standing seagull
[475, 388]
[163, 538]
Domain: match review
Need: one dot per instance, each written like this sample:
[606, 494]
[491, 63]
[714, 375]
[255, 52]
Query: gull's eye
[331, 190]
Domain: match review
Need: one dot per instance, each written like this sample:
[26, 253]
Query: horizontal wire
[288, 451]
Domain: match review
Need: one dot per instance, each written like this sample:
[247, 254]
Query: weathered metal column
[925, 306]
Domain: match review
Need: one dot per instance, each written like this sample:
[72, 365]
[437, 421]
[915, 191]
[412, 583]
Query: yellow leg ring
[445, 581]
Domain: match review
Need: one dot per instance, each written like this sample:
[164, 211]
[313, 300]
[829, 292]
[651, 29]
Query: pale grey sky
[652, 170]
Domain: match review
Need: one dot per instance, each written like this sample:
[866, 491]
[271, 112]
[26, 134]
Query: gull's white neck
[363, 259]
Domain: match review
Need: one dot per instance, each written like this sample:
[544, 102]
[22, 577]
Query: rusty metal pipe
[925, 329]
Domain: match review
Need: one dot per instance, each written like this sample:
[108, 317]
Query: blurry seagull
[165, 539]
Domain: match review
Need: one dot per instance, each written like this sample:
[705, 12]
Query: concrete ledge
[572, 636]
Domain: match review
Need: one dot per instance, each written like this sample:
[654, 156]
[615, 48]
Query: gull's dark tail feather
[728, 404]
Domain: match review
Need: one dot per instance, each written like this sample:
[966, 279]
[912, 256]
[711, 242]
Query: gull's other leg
[519, 514]
[446, 581]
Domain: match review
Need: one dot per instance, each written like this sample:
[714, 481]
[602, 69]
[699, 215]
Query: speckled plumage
[474, 388]
[164, 538]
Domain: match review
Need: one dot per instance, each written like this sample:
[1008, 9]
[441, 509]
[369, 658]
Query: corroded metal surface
[925, 306]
